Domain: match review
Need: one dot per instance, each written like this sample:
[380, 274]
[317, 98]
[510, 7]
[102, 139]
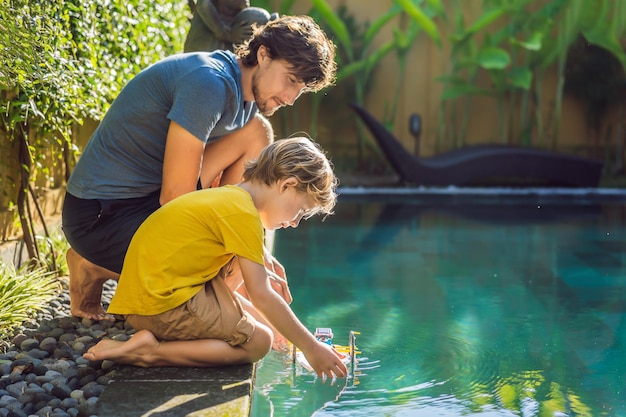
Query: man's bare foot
[132, 352]
[86, 282]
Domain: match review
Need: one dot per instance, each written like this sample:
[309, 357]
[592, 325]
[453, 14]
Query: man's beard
[262, 105]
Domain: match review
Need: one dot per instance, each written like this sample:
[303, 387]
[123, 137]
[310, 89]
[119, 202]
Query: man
[187, 122]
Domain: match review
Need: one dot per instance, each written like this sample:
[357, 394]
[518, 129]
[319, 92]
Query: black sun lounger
[484, 164]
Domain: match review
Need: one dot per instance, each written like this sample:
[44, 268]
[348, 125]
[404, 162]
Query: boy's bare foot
[132, 352]
[86, 283]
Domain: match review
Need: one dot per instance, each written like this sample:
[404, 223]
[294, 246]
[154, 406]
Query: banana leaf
[416, 13]
[336, 25]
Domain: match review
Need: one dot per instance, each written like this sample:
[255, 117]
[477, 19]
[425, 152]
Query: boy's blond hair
[303, 159]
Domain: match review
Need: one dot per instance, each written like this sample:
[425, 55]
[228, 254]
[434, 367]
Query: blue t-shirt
[124, 157]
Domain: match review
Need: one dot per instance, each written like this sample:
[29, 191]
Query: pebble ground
[43, 373]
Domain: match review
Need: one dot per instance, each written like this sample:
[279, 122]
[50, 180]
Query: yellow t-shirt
[183, 245]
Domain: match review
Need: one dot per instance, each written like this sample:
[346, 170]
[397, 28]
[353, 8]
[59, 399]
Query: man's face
[274, 85]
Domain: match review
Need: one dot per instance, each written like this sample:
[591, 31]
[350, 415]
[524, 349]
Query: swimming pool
[471, 305]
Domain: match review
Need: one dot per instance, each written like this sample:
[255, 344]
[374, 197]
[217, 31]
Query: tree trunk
[22, 196]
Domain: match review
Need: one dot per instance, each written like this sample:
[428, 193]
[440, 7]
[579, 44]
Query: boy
[173, 287]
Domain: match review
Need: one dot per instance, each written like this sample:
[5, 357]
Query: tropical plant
[594, 71]
[468, 57]
[359, 55]
[23, 293]
[61, 62]
[356, 60]
[52, 249]
[515, 42]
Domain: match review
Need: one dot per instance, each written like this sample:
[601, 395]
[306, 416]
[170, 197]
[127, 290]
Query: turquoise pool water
[466, 307]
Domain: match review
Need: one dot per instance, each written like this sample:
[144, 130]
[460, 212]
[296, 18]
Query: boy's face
[274, 85]
[287, 207]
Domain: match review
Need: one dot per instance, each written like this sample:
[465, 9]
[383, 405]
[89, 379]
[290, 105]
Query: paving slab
[172, 392]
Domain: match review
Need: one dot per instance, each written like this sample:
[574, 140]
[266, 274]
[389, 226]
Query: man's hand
[273, 265]
[280, 286]
[277, 276]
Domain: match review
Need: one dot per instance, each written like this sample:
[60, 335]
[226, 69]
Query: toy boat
[325, 335]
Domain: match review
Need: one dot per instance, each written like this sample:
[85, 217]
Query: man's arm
[323, 359]
[181, 163]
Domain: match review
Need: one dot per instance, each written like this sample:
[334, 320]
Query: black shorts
[101, 230]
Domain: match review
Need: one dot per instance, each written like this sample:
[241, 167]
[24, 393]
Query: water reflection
[291, 392]
[472, 309]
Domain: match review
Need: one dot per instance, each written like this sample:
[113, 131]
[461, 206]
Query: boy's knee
[260, 343]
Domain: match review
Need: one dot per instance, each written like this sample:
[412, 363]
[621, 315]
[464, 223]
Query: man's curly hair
[301, 43]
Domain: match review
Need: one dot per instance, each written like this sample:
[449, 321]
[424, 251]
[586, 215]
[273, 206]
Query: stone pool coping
[134, 391]
[456, 191]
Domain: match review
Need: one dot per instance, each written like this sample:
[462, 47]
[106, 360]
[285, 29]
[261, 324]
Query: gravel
[43, 372]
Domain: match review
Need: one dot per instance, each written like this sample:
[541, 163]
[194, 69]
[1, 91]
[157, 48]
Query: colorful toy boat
[325, 335]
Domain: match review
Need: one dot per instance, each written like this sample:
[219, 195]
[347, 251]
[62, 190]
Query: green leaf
[377, 56]
[521, 77]
[416, 13]
[335, 24]
[352, 68]
[608, 42]
[456, 91]
[436, 5]
[533, 43]
[485, 20]
[493, 58]
[401, 39]
[603, 31]
[365, 65]
[593, 14]
[375, 27]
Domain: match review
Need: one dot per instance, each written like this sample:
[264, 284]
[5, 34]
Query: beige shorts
[213, 313]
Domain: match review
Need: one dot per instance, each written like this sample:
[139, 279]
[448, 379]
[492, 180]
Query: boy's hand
[326, 361]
